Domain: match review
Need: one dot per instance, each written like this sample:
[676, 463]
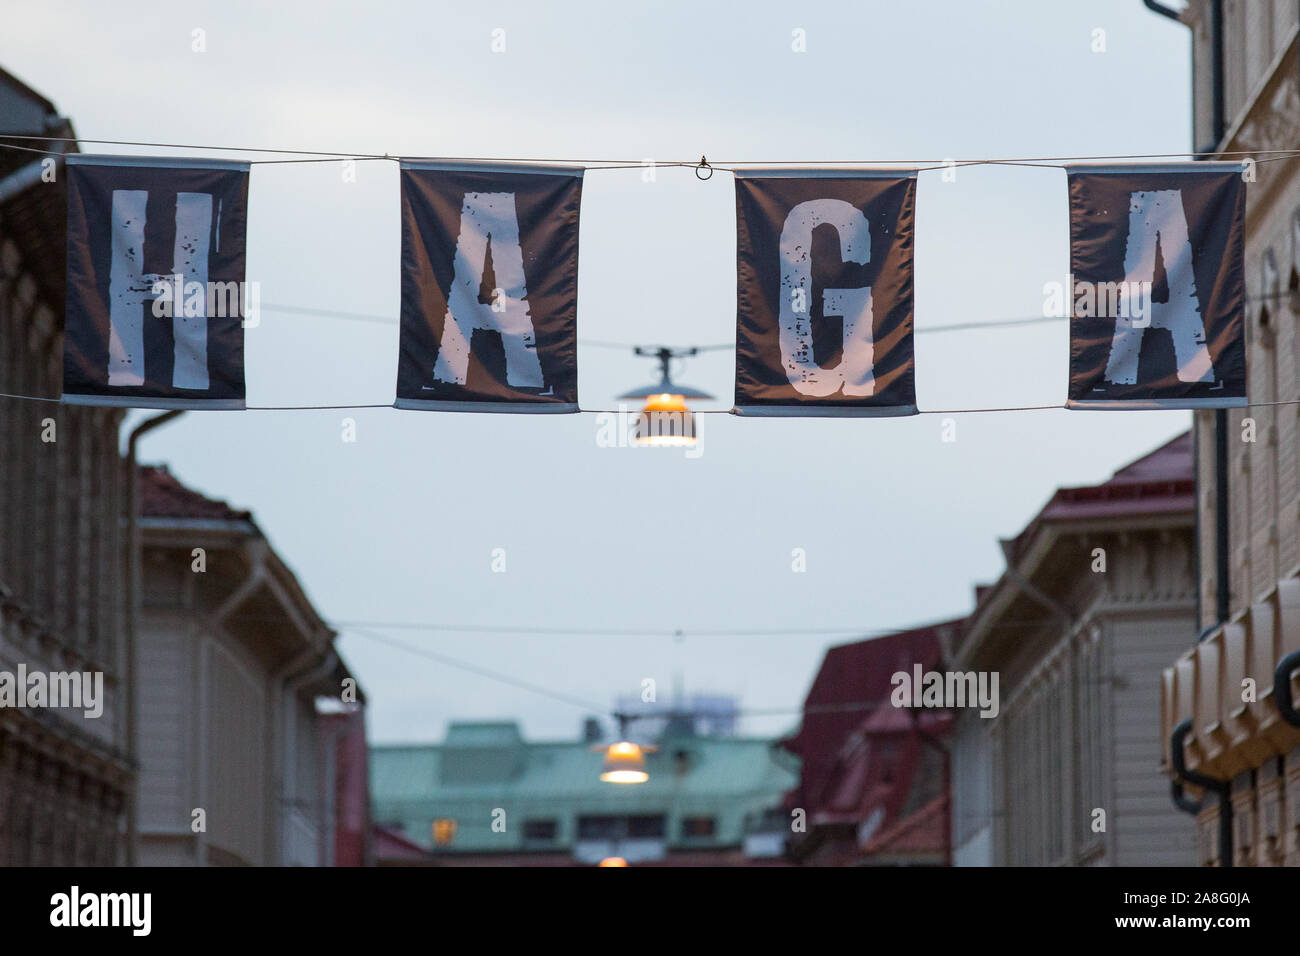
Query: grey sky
[400, 526]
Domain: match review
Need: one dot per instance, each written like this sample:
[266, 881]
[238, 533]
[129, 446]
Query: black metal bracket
[1282, 688]
[1221, 787]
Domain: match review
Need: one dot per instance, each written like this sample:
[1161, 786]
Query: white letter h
[129, 288]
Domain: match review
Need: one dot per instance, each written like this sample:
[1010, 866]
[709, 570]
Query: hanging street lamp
[666, 421]
[624, 760]
[624, 763]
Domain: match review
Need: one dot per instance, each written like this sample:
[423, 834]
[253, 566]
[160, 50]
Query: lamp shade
[666, 421]
[624, 763]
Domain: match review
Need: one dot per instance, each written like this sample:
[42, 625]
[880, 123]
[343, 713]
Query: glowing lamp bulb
[624, 763]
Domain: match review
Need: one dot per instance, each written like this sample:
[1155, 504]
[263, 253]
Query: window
[1270, 284]
[614, 828]
[645, 827]
[540, 830]
[597, 828]
[696, 828]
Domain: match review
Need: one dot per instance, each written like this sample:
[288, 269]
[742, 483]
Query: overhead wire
[324, 155]
[588, 706]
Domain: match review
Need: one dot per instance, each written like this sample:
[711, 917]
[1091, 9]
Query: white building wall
[972, 793]
[1148, 830]
[168, 713]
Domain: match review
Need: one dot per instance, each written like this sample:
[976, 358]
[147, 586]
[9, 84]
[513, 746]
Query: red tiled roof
[1160, 482]
[1172, 461]
[858, 752]
[924, 831]
[163, 496]
[1164, 478]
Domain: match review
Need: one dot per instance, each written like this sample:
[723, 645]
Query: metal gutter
[1223, 788]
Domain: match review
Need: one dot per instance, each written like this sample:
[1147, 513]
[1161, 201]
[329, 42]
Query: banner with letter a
[1157, 288]
[824, 292]
[156, 293]
[489, 287]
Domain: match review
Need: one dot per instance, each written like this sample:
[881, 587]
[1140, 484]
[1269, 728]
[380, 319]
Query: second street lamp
[624, 763]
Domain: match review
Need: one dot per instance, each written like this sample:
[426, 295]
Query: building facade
[64, 776]
[1234, 740]
[873, 781]
[1098, 592]
[488, 797]
[236, 667]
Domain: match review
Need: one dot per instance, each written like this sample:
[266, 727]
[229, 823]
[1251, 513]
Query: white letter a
[489, 218]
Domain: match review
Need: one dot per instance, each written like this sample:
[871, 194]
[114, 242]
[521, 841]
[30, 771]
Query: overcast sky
[400, 526]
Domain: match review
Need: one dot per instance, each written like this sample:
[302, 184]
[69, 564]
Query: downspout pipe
[1221, 506]
[1282, 688]
[21, 179]
[132, 616]
[1223, 596]
[1181, 800]
[1198, 566]
[1218, 115]
[1222, 788]
[1218, 125]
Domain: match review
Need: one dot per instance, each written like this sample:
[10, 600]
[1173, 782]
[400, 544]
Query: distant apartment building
[64, 777]
[1220, 719]
[486, 796]
[243, 714]
[1098, 592]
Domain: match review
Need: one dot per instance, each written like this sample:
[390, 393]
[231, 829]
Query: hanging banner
[824, 292]
[1157, 288]
[156, 290]
[489, 287]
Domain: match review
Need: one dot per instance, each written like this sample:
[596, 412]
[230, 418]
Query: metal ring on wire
[704, 164]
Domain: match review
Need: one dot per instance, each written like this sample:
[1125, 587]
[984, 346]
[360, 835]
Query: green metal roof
[732, 779]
